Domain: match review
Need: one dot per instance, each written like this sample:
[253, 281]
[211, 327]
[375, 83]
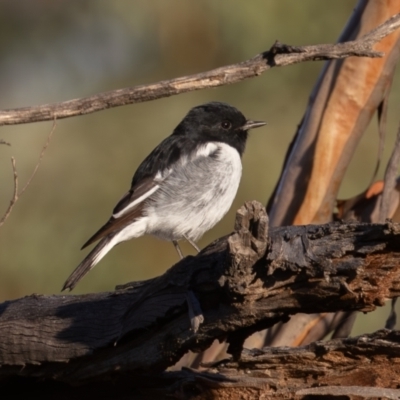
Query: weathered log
[244, 282]
[364, 367]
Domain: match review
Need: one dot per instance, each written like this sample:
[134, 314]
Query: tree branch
[41, 155]
[245, 282]
[278, 55]
[363, 367]
[17, 195]
[390, 179]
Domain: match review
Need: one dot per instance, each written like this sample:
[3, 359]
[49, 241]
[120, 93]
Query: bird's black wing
[163, 156]
[144, 183]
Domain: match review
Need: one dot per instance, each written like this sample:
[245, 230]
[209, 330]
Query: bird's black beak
[252, 124]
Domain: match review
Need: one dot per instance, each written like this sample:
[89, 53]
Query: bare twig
[278, 55]
[17, 195]
[46, 145]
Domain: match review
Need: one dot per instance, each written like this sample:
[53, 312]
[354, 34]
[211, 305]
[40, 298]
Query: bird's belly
[191, 222]
[191, 203]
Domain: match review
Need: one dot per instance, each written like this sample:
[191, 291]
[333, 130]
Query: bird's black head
[217, 122]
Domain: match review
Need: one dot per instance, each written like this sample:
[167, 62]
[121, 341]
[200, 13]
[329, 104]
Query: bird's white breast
[197, 193]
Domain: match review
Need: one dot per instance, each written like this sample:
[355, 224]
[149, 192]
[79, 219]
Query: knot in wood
[251, 228]
[247, 245]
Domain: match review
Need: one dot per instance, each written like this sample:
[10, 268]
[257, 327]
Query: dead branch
[325, 140]
[279, 55]
[390, 179]
[17, 195]
[245, 282]
[364, 367]
[46, 145]
[342, 103]
[345, 362]
[361, 367]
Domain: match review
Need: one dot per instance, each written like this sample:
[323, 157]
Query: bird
[182, 188]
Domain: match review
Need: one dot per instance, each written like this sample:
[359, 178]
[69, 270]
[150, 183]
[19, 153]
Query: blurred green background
[55, 51]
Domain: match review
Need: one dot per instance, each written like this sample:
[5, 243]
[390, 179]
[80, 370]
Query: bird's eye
[226, 125]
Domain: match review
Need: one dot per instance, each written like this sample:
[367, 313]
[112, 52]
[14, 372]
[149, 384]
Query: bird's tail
[101, 249]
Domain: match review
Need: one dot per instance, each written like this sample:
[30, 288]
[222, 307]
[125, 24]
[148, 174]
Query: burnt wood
[244, 282]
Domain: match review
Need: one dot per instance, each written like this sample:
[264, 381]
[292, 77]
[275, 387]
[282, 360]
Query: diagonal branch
[46, 145]
[277, 56]
[16, 194]
[390, 179]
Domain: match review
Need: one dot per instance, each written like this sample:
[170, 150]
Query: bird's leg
[178, 249]
[192, 243]
[195, 312]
